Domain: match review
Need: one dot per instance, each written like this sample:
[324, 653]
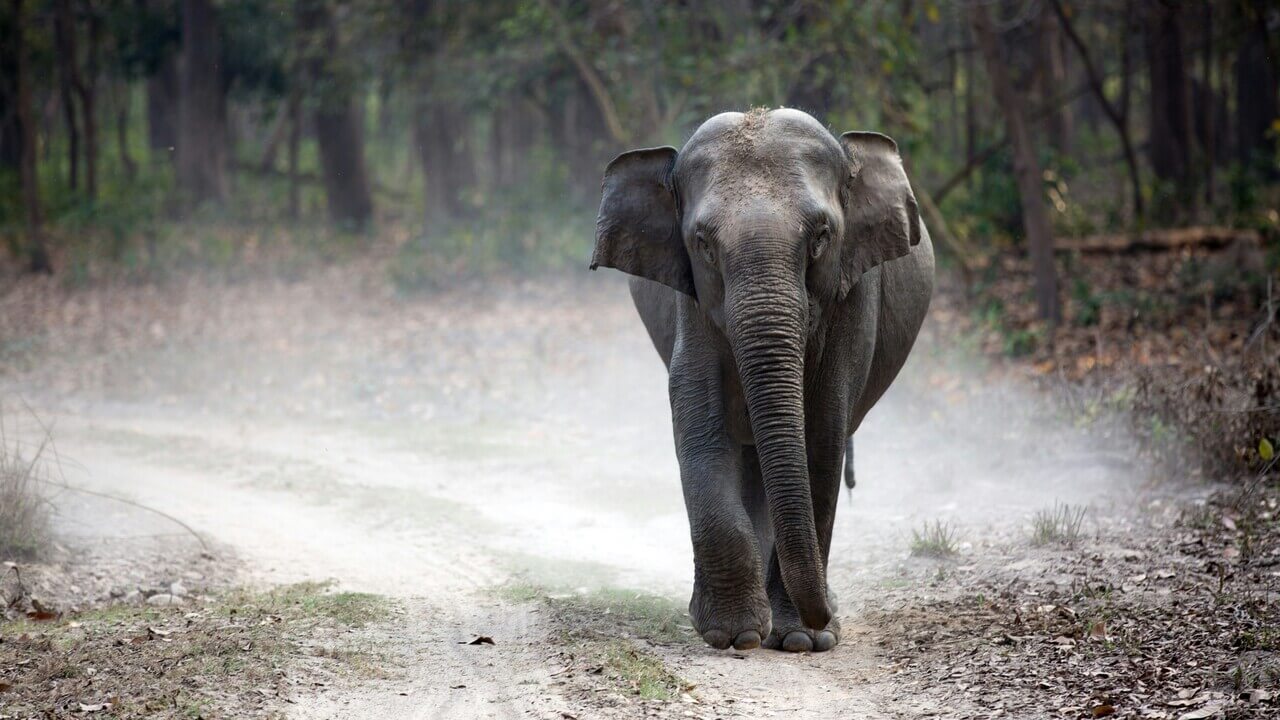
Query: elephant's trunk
[766, 323]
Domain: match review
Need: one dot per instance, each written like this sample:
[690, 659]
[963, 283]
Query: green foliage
[533, 97]
[1088, 306]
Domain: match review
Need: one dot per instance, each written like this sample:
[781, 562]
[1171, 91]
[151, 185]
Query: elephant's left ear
[881, 220]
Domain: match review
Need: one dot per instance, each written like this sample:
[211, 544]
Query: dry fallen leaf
[1203, 713]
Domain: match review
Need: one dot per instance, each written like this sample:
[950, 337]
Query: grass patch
[24, 516]
[313, 600]
[614, 611]
[608, 632]
[654, 618]
[936, 539]
[642, 671]
[1061, 524]
[224, 659]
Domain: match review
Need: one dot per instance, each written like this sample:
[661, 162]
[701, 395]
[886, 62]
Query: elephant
[783, 274]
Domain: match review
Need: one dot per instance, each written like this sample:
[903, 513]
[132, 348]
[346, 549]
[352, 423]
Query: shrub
[23, 512]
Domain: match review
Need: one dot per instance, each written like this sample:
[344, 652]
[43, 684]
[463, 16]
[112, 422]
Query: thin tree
[122, 132]
[1026, 168]
[1052, 75]
[64, 39]
[162, 108]
[1117, 114]
[87, 89]
[37, 253]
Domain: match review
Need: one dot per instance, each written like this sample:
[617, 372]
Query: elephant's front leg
[729, 604]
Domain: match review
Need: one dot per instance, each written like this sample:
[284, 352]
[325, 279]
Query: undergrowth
[24, 516]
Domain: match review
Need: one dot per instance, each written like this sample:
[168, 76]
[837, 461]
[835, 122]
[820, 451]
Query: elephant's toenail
[747, 640]
[797, 641]
[717, 639]
[824, 641]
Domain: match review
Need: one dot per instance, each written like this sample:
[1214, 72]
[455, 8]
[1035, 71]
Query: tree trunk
[1053, 77]
[10, 127]
[346, 185]
[162, 108]
[339, 121]
[37, 253]
[444, 143]
[970, 111]
[1170, 146]
[1026, 166]
[1208, 106]
[1256, 101]
[122, 132]
[64, 38]
[515, 132]
[295, 147]
[88, 91]
[201, 149]
[577, 130]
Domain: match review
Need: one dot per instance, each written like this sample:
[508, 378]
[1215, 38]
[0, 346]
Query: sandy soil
[436, 449]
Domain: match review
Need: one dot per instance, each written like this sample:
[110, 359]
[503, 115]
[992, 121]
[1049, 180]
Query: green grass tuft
[642, 671]
[1061, 524]
[935, 539]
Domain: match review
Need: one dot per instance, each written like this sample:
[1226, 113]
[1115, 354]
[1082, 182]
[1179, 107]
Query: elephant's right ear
[638, 230]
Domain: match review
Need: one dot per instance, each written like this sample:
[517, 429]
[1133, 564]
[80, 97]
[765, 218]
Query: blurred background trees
[473, 135]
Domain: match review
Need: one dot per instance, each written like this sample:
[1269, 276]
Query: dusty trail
[432, 451]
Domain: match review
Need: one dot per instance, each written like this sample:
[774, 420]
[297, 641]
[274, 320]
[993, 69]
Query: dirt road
[443, 450]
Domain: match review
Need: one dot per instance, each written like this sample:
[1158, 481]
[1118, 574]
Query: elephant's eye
[821, 238]
[704, 247]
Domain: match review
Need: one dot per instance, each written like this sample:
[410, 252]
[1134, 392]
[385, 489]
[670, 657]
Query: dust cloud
[500, 432]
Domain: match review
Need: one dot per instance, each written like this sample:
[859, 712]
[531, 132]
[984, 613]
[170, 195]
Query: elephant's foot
[790, 635]
[797, 638]
[725, 619]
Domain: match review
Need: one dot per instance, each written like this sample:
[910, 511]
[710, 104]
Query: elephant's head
[766, 220]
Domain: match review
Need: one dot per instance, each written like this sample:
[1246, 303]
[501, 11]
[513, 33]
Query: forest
[475, 133]
[310, 405]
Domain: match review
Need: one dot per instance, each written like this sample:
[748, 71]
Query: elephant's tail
[849, 480]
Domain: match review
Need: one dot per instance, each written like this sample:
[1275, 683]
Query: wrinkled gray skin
[783, 275]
